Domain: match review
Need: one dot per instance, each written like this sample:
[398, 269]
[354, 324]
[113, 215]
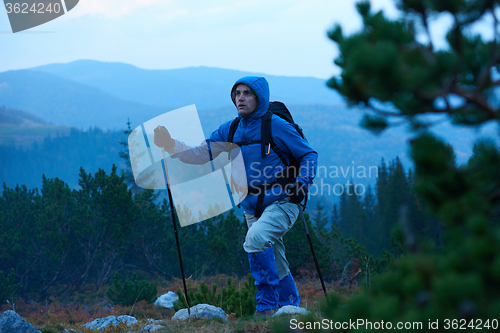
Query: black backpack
[289, 174]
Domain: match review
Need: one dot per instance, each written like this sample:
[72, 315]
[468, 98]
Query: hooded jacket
[259, 170]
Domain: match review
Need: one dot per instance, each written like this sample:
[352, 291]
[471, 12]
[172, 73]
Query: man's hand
[296, 192]
[163, 138]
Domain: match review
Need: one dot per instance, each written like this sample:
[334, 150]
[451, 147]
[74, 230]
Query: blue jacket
[259, 170]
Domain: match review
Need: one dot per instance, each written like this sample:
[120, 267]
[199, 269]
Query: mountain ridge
[207, 87]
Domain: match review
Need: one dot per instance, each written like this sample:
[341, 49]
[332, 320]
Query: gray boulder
[129, 320]
[291, 310]
[11, 322]
[167, 300]
[151, 328]
[205, 311]
[101, 323]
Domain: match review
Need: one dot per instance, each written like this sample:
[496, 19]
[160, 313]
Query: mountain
[85, 94]
[65, 102]
[88, 93]
[206, 87]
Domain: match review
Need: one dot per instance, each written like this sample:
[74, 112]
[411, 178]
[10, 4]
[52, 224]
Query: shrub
[8, 290]
[131, 291]
[241, 302]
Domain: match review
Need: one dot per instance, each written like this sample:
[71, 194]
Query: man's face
[245, 100]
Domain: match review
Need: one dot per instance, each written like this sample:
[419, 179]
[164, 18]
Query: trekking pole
[175, 228]
[313, 252]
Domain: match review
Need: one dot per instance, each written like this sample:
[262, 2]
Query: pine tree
[319, 220]
[125, 155]
[369, 203]
[387, 62]
[335, 216]
[54, 229]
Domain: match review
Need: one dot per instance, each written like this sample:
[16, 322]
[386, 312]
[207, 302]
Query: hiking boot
[265, 313]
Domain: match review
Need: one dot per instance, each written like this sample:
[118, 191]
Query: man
[270, 212]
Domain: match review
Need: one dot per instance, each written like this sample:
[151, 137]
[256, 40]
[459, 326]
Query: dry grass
[55, 315]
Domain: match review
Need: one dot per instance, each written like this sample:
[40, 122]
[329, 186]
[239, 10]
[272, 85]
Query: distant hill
[206, 87]
[65, 102]
[85, 93]
[18, 117]
[22, 129]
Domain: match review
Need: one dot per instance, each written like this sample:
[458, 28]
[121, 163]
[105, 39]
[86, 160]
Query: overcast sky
[281, 37]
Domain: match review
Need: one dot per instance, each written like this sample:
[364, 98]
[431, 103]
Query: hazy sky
[282, 37]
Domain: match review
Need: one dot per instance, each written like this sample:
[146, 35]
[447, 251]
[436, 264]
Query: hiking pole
[313, 252]
[170, 200]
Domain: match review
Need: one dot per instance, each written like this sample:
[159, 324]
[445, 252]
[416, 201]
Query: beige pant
[269, 229]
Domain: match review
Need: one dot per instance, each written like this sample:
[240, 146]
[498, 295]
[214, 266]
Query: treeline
[57, 240]
[387, 217]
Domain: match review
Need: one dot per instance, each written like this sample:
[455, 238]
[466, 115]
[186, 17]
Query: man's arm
[207, 150]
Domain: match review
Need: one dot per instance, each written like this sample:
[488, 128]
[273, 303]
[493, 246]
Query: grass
[71, 312]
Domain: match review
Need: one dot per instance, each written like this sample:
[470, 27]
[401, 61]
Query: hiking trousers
[268, 230]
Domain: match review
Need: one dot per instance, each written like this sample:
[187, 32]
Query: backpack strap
[266, 134]
[267, 142]
[259, 204]
[232, 129]
[230, 137]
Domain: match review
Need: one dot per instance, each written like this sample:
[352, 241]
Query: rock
[11, 322]
[129, 320]
[291, 310]
[101, 323]
[205, 311]
[167, 300]
[151, 328]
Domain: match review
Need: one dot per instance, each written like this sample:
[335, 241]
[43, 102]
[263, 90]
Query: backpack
[289, 174]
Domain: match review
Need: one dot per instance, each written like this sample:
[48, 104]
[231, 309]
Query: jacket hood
[261, 88]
